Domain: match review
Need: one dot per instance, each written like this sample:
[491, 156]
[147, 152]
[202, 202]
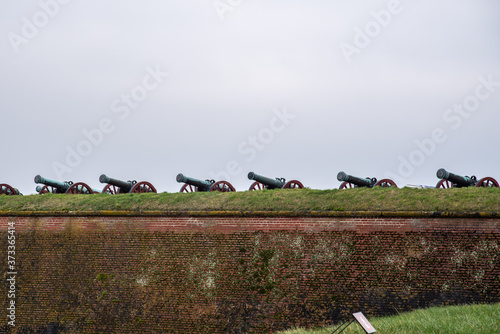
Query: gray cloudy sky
[296, 89]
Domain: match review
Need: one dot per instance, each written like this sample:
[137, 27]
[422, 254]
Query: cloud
[227, 77]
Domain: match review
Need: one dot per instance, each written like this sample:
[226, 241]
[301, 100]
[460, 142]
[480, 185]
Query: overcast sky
[296, 89]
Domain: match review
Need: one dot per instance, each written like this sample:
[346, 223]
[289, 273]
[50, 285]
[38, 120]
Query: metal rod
[350, 322]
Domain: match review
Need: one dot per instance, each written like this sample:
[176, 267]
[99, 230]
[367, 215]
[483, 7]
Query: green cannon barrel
[268, 182]
[202, 185]
[60, 186]
[460, 181]
[360, 182]
[125, 186]
[96, 191]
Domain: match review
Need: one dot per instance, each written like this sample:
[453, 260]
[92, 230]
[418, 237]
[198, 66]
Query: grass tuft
[464, 319]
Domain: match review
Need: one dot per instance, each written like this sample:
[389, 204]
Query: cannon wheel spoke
[143, 187]
[347, 185]
[79, 188]
[256, 186]
[111, 189]
[386, 183]
[293, 184]
[187, 188]
[6, 189]
[487, 182]
[445, 184]
[222, 186]
[47, 190]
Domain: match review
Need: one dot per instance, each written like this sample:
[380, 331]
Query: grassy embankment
[483, 319]
[377, 199]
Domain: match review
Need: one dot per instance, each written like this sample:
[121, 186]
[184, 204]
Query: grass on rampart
[479, 319]
[362, 199]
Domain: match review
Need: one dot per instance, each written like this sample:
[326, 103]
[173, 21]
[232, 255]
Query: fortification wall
[215, 272]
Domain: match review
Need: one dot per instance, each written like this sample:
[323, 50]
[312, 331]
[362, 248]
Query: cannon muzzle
[458, 180]
[277, 183]
[61, 187]
[360, 182]
[201, 185]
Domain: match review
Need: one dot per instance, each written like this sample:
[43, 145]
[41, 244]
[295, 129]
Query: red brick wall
[208, 274]
[238, 224]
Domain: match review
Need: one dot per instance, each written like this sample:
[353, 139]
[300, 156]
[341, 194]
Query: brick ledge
[215, 213]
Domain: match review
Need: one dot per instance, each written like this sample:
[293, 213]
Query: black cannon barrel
[202, 185]
[125, 186]
[270, 183]
[360, 182]
[60, 186]
[460, 181]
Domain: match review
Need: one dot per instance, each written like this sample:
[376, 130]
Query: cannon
[195, 185]
[6, 189]
[262, 182]
[115, 186]
[66, 187]
[450, 180]
[349, 181]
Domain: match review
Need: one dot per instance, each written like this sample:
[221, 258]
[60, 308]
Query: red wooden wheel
[79, 188]
[111, 189]
[445, 184]
[256, 186]
[222, 186]
[487, 182]
[386, 183]
[293, 184]
[347, 185]
[143, 187]
[6, 189]
[187, 188]
[46, 190]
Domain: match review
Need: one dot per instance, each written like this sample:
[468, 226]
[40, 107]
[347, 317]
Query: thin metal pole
[343, 329]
